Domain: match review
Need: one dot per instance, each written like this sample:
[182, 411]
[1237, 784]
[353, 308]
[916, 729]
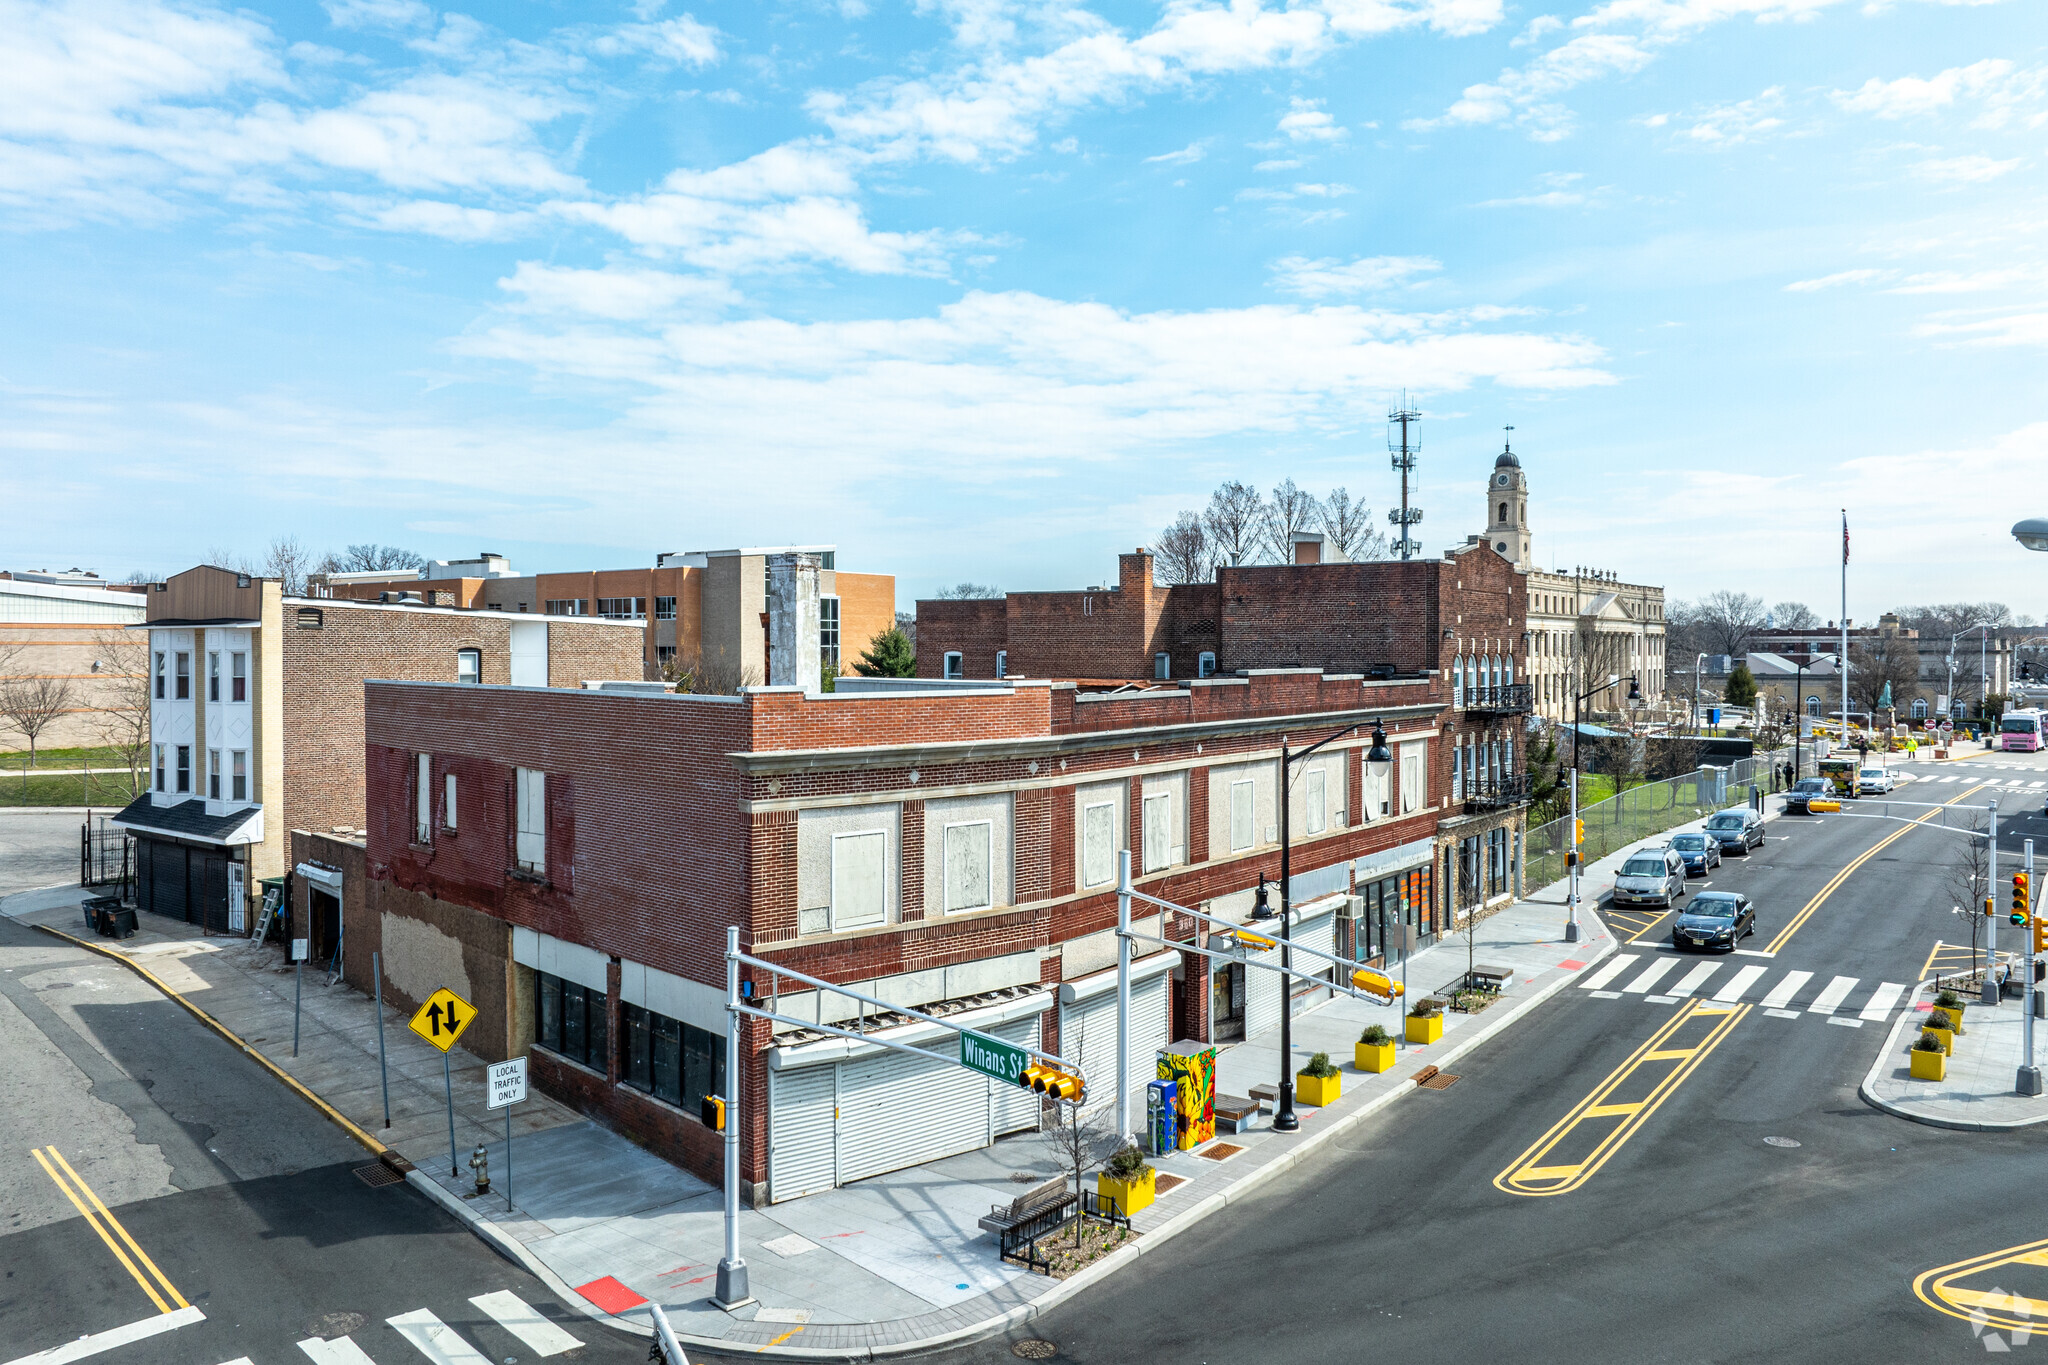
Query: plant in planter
[1929, 1059]
[1425, 1023]
[1127, 1180]
[1374, 1050]
[1940, 1026]
[1952, 1004]
[1318, 1083]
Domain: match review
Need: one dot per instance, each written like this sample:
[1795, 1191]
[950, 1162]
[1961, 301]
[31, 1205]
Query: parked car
[1651, 876]
[1739, 829]
[1805, 790]
[1697, 852]
[1874, 781]
[1715, 919]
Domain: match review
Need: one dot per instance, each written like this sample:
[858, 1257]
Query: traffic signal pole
[1123, 996]
[732, 1268]
[1571, 896]
[1989, 995]
[2029, 1082]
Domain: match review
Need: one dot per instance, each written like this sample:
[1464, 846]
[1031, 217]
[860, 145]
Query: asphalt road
[243, 1198]
[1695, 1240]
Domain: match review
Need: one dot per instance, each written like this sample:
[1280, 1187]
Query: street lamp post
[1635, 695]
[1377, 761]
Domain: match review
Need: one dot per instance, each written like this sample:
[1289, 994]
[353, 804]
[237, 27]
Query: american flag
[1845, 535]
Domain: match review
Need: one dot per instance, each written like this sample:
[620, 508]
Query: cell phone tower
[1404, 440]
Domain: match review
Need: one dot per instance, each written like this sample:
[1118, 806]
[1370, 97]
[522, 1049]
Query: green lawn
[23, 789]
[61, 758]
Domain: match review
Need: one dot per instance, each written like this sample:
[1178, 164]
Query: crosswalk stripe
[1831, 998]
[1649, 976]
[340, 1351]
[1694, 979]
[1739, 983]
[436, 1340]
[521, 1320]
[1880, 1003]
[1607, 973]
[239, 1360]
[1781, 994]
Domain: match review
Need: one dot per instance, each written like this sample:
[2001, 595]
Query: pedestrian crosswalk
[431, 1338]
[2010, 783]
[1649, 979]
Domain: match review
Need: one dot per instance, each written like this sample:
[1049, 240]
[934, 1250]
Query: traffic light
[712, 1111]
[1050, 1080]
[2020, 902]
[1377, 983]
[2040, 934]
[1578, 833]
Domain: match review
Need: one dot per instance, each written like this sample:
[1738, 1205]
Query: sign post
[506, 1087]
[383, 1069]
[300, 948]
[441, 1021]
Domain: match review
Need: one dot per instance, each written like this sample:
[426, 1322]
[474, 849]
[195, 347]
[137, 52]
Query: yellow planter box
[1954, 1012]
[1317, 1090]
[1425, 1028]
[1945, 1037]
[1128, 1196]
[1929, 1066]
[1367, 1057]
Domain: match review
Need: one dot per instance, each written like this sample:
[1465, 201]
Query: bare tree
[1349, 526]
[1183, 552]
[1292, 509]
[288, 561]
[144, 576]
[1967, 876]
[1945, 619]
[30, 705]
[1887, 659]
[968, 592]
[122, 720]
[1235, 521]
[369, 558]
[234, 561]
[1729, 619]
[1794, 616]
[718, 675]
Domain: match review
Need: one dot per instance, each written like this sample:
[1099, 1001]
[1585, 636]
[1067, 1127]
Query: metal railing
[106, 857]
[1643, 811]
[1510, 790]
[1513, 699]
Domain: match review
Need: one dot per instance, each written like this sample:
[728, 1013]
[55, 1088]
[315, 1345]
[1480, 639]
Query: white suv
[1874, 781]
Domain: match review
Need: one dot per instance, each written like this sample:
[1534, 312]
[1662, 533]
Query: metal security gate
[802, 1142]
[1088, 1034]
[1262, 988]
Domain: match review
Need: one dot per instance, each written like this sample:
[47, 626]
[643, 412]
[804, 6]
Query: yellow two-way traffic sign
[443, 1018]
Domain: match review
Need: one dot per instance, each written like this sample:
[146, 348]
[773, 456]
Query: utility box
[1162, 1124]
[1191, 1067]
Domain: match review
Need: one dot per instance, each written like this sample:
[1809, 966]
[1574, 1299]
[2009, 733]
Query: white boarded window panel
[858, 865]
[1411, 777]
[1098, 843]
[532, 849]
[423, 798]
[1158, 831]
[967, 849]
[1317, 797]
[1240, 815]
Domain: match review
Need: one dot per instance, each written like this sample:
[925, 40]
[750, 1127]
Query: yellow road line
[115, 1223]
[1523, 1174]
[1834, 883]
[1981, 1308]
[105, 1236]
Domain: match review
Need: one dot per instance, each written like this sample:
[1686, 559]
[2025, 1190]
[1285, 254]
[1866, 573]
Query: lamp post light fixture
[2032, 533]
[1378, 762]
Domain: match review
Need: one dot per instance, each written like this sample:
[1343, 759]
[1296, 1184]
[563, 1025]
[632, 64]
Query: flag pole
[1843, 663]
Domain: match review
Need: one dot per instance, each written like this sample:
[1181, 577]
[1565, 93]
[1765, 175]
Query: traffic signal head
[2020, 901]
[712, 1111]
[1050, 1080]
[1578, 833]
[2040, 934]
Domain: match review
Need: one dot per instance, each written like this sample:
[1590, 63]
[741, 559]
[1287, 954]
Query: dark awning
[189, 820]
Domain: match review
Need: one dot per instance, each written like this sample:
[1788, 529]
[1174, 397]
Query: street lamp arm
[1327, 739]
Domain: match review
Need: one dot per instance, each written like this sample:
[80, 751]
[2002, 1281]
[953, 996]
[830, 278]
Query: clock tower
[1507, 508]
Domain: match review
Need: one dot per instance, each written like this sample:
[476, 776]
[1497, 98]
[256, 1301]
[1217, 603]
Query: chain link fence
[1650, 809]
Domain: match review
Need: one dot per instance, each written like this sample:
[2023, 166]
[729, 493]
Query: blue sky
[991, 290]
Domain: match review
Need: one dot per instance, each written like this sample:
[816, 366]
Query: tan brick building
[56, 625]
[256, 719]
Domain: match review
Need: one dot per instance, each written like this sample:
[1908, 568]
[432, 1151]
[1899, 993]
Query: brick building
[58, 626]
[256, 720]
[703, 608]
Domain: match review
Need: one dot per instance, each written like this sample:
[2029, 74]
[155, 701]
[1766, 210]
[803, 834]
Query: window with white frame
[213, 675]
[828, 632]
[213, 774]
[664, 608]
[1378, 791]
[1316, 794]
[160, 752]
[620, 608]
[238, 775]
[565, 606]
[181, 667]
[859, 890]
[1458, 681]
[1205, 664]
[448, 802]
[1158, 830]
[159, 678]
[955, 665]
[1412, 759]
[184, 767]
[1243, 814]
[966, 854]
[1002, 663]
[238, 670]
[423, 798]
[469, 665]
[1098, 843]
[1457, 773]
[530, 795]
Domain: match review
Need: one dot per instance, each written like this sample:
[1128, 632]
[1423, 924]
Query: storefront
[1395, 887]
[192, 866]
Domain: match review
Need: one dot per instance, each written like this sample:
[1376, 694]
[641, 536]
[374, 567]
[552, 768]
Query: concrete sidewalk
[889, 1264]
[1978, 1094]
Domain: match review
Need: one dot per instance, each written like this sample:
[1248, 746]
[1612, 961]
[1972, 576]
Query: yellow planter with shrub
[1373, 1057]
[1945, 1037]
[1425, 1028]
[1129, 1181]
[1319, 1083]
[1929, 1065]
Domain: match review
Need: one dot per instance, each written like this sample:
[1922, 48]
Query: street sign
[506, 1083]
[443, 1018]
[999, 1061]
[302, 948]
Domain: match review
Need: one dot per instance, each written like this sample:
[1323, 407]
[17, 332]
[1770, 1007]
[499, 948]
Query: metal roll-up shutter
[1261, 994]
[1093, 1022]
[1011, 1108]
[802, 1142]
[896, 1110]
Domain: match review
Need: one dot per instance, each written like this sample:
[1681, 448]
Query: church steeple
[1507, 506]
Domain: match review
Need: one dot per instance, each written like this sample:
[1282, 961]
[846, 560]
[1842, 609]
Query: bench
[1490, 978]
[1029, 1216]
[1234, 1113]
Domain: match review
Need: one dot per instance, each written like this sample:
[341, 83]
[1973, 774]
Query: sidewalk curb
[1896, 1110]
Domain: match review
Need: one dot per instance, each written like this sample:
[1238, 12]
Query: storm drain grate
[1443, 1080]
[377, 1175]
[1222, 1150]
[1167, 1183]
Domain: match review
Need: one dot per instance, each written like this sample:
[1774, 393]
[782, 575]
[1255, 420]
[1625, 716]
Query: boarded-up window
[967, 864]
[532, 801]
[1098, 843]
[859, 862]
[1158, 831]
[1318, 798]
[1411, 777]
[1241, 817]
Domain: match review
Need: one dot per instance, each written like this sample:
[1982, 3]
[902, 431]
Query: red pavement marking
[1571, 965]
[610, 1295]
[679, 1270]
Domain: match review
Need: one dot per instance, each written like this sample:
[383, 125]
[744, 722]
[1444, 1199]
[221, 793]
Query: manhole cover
[1035, 1348]
[332, 1326]
[377, 1174]
[1781, 1142]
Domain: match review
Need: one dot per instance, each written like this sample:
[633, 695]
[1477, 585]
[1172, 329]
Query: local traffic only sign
[443, 1018]
[507, 1083]
[998, 1061]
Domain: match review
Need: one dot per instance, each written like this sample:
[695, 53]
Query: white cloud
[1186, 156]
[1279, 165]
[1730, 125]
[2011, 329]
[1963, 170]
[1547, 199]
[373, 14]
[1538, 28]
[681, 40]
[1836, 280]
[1330, 278]
[620, 294]
[1305, 121]
[1999, 88]
[1528, 96]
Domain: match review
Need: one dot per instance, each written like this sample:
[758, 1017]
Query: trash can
[1161, 1120]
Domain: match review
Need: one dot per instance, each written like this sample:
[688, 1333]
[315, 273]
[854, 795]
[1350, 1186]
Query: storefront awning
[188, 820]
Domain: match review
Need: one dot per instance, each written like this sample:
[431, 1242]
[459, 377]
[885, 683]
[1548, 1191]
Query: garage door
[801, 1127]
[896, 1110]
[1262, 987]
[1088, 1036]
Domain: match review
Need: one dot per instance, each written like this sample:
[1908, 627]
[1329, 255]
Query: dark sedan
[1698, 852]
[1715, 919]
[1738, 829]
[1808, 789]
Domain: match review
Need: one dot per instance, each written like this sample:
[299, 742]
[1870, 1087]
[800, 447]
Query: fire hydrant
[480, 1162]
